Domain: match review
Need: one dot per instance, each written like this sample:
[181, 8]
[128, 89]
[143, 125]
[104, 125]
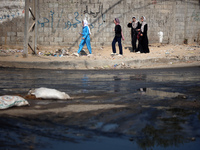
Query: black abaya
[134, 33]
[143, 41]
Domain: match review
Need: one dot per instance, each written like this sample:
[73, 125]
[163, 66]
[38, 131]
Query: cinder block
[41, 29]
[54, 43]
[51, 5]
[56, 5]
[58, 39]
[47, 30]
[3, 39]
[13, 38]
[62, 43]
[20, 34]
[41, 39]
[11, 33]
[48, 39]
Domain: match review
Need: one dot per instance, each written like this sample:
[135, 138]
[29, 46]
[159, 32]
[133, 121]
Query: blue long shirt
[85, 32]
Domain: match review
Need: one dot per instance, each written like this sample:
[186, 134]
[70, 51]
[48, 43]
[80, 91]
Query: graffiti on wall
[196, 15]
[95, 12]
[54, 25]
[103, 17]
[10, 10]
[68, 24]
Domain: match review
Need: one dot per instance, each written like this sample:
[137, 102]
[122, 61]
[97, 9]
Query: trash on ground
[47, 93]
[8, 101]
[83, 53]
[189, 48]
[56, 53]
[75, 54]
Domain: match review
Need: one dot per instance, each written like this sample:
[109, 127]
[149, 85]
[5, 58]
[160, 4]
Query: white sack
[7, 101]
[46, 93]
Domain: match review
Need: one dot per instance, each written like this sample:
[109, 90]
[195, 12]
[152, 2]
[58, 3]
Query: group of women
[138, 33]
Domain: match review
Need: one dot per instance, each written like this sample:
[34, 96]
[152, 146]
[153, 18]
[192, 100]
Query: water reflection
[161, 93]
[85, 82]
[169, 131]
[116, 84]
[138, 77]
[167, 136]
[142, 90]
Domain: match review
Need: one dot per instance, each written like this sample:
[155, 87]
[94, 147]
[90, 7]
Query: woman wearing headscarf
[85, 37]
[143, 40]
[134, 25]
[118, 37]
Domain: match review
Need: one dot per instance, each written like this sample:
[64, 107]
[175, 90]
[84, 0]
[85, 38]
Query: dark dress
[143, 41]
[117, 38]
[134, 34]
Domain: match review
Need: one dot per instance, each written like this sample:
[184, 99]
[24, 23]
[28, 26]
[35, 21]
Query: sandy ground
[101, 53]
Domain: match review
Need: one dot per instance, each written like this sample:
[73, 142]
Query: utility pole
[36, 26]
[26, 25]
[33, 27]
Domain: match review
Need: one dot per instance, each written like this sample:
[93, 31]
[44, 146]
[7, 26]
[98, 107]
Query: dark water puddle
[150, 129]
[162, 110]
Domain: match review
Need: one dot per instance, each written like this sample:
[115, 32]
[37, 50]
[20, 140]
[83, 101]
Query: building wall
[59, 21]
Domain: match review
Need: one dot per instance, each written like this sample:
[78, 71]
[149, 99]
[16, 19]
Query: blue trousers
[87, 41]
[117, 39]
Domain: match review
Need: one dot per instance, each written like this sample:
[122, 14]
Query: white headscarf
[143, 24]
[85, 22]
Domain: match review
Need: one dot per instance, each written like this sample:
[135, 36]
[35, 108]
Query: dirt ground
[99, 53]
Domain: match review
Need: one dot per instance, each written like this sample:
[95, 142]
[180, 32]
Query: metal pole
[26, 24]
[36, 26]
[32, 12]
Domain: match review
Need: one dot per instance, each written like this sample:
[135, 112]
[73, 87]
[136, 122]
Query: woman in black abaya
[143, 40]
[134, 25]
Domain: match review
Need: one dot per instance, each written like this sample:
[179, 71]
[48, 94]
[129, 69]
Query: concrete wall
[59, 21]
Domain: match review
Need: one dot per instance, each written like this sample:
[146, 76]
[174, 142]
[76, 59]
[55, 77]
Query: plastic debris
[115, 65]
[40, 53]
[47, 93]
[8, 101]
